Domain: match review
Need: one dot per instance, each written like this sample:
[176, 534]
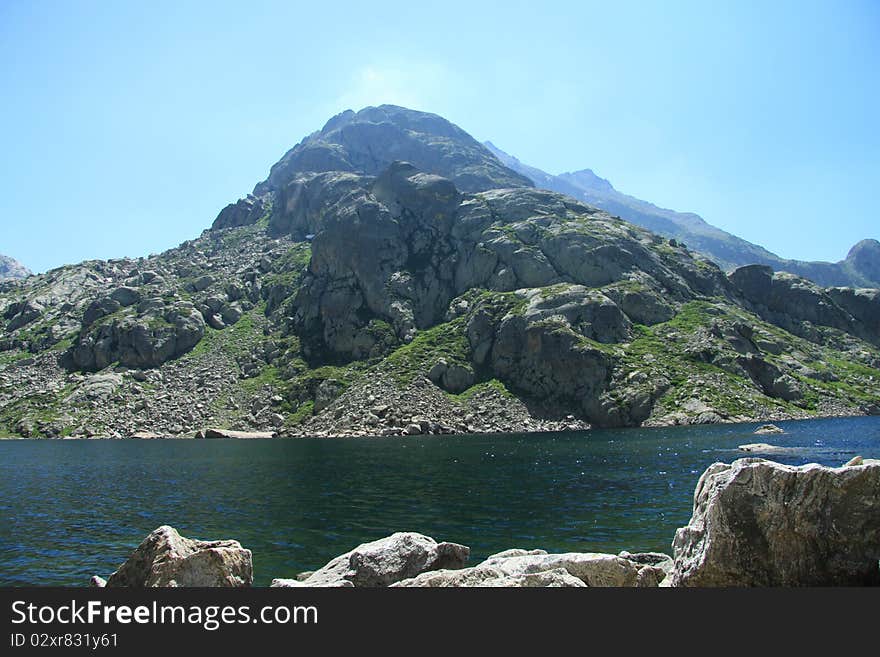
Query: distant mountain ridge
[861, 268]
[11, 268]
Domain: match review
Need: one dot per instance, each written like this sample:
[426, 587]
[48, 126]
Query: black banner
[102, 621]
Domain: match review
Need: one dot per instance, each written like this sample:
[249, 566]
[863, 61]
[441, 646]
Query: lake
[71, 509]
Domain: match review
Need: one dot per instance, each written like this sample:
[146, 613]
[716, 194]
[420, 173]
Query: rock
[650, 576]
[438, 370]
[767, 429]
[145, 435]
[280, 583]
[760, 523]
[202, 283]
[165, 558]
[100, 308]
[491, 577]
[126, 296]
[515, 552]
[98, 387]
[855, 460]
[238, 435]
[457, 378]
[138, 342]
[593, 569]
[764, 448]
[97, 582]
[242, 213]
[380, 563]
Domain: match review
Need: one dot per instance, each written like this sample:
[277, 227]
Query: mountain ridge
[384, 300]
[728, 250]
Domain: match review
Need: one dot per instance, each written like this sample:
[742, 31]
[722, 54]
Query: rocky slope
[861, 267]
[10, 268]
[353, 295]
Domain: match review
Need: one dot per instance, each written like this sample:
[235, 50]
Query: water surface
[71, 509]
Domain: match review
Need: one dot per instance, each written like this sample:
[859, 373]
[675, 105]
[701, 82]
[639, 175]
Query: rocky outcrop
[143, 341]
[12, 269]
[243, 212]
[386, 561]
[165, 558]
[795, 303]
[760, 523]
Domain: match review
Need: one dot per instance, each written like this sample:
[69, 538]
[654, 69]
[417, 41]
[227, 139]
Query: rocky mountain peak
[587, 180]
[11, 268]
[864, 258]
[368, 141]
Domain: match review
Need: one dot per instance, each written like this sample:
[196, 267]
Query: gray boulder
[380, 563]
[761, 523]
[593, 569]
[165, 558]
[489, 577]
[536, 568]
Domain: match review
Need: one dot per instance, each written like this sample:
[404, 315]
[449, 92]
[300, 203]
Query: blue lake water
[71, 509]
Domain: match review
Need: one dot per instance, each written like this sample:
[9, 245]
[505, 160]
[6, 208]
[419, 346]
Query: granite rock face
[165, 558]
[761, 523]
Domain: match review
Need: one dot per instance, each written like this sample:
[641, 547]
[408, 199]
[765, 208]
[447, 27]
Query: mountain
[357, 294]
[728, 250]
[10, 268]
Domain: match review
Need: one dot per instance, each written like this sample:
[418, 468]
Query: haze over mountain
[861, 268]
[354, 293]
[11, 268]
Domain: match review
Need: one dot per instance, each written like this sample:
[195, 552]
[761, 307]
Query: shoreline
[230, 434]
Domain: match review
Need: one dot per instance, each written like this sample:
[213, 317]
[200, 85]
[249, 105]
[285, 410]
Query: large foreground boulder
[386, 561]
[165, 558]
[760, 523]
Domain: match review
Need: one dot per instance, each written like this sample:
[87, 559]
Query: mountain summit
[366, 142]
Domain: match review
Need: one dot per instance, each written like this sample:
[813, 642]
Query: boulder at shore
[760, 523]
[165, 558]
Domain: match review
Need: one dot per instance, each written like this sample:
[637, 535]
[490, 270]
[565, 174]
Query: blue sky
[126, 127]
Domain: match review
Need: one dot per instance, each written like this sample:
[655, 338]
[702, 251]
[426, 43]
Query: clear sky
[125, 127]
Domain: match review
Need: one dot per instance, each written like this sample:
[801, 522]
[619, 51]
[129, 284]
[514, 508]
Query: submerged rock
[761, 448]
[165, 558]
[386, 561]
[760, 523]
